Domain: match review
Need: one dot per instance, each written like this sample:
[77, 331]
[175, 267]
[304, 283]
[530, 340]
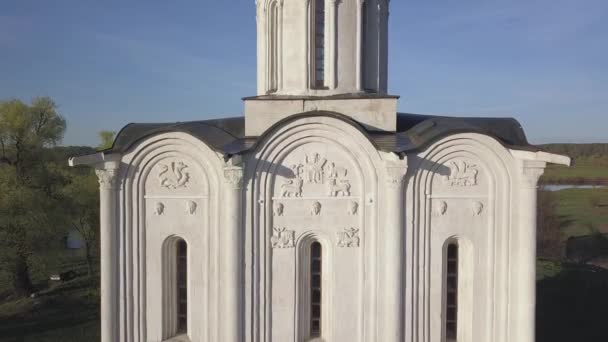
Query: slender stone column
[393, 252]
[108, 237]
[525, 306]
[231, 271]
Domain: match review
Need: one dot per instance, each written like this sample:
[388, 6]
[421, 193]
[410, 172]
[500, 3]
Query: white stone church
[322, 214]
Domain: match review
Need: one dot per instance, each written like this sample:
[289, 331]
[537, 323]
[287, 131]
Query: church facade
[323, 214]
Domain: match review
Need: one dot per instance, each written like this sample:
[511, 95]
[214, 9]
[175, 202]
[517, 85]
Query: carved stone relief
[315, 209]
[339, 189]
[353, 208]
[191, 207]
[316, 169]
[173, 175]
[313, 168]
[462, 174]
[440, 208]
[159, 209]
[477, 208]
[278, 209]
[292, 188]
[336, 172]
[349, 238]
[282, 238]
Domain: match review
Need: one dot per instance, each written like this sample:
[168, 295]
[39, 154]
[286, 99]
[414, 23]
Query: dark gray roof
[414, 132]
[347, 96]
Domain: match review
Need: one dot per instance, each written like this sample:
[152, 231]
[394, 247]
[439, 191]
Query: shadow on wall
[573, 305]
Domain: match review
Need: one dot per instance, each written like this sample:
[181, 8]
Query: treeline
[41, 198]
[577, 150]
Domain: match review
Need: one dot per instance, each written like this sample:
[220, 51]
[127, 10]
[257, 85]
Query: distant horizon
[110, 63]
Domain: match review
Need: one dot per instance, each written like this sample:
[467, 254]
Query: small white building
[323, 214]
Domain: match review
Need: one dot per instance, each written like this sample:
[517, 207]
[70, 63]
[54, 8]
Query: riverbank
[590, 165]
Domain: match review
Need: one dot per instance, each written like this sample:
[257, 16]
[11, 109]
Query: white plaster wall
[178, 218]
[144, 228]
[352, 287]
[344, 65]
[461, 189]
[488, 193]
[379, 114]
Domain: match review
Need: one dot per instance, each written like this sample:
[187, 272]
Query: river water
[558, 187]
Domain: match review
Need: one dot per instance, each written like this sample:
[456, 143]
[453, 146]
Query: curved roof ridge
[414, 131]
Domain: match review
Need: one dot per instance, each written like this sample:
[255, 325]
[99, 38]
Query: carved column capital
[233, 172]
[531, 172]
[395, 172]
[233, 176]
[108, 178]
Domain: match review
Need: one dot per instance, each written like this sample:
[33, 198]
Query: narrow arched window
[451, 293]
[273, 47]
[175, 288]
[363, 44]
[316, 291]
[319, 43]
[182, 286]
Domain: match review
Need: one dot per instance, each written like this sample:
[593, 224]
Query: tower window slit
[319, 42]
[274, 48]
[315, 289]
[182, 286]
[451, 288]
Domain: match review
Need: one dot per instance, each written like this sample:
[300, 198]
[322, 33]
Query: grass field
[586, 170]
[582, 211]
[64, 312]
[67, 312]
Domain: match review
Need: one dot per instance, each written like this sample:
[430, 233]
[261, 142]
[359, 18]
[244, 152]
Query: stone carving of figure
[441, 207]
[278, 209]
[297, 170]
[353, 208]
[178, 178]
[462, 174]
[477, 208]
[316, 209]
[191, 207]
[314, 168]
[335, 172]
[338, 189]
[159, 209]
[349, 238]
[292, 188]
[283, 238]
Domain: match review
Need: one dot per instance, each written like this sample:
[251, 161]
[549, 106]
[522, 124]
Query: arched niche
[303, 284]
[170, 187]
[290, 196]
[464, 288]
[175, 280]
[462, 185]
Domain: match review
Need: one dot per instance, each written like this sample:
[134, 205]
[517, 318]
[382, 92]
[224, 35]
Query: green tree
[31, 183]
[107, 139]
[83, 210]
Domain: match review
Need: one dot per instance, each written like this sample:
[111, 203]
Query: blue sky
[111, 62]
